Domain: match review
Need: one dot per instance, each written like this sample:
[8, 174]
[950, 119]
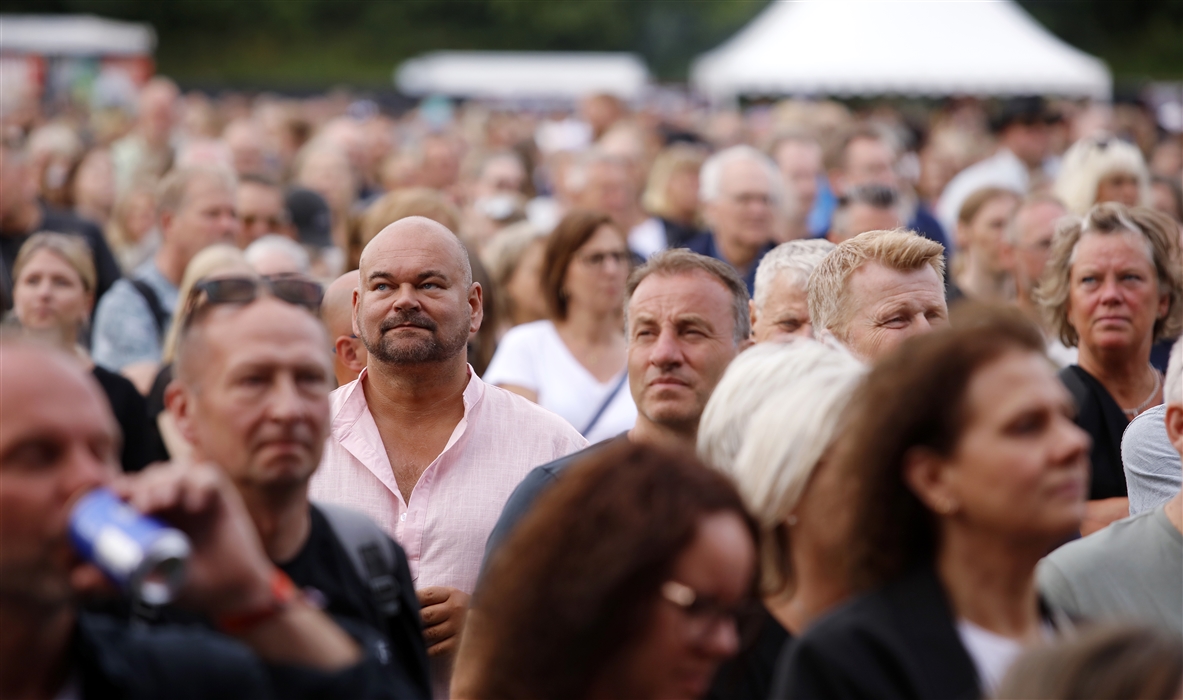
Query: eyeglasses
[620, 257]
[243, 290]
[705, 615]
[273, 223]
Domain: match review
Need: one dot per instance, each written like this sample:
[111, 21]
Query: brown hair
[915, 397]
[679, 261]
[1101, 663]
[1162, 240]
[399, 204]
[576, 229]
[980, 198]
[568, 594]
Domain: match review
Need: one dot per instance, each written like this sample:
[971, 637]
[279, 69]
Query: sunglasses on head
[243, 290]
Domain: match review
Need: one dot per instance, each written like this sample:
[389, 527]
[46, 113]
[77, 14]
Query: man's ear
[752, 312]
[180, 404]
[353, 312]
[927, 475]
[1174, 421]
[347, 353]
[476, 298]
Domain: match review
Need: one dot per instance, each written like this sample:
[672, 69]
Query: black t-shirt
[326, 573]
[1099, 416]
[141, 439]
[57, 221]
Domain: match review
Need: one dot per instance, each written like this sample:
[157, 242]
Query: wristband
[283, 594]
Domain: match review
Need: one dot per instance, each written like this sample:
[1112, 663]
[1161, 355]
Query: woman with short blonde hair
[1102, 169]
[1113, 286]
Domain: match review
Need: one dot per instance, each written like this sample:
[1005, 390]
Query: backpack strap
[604, 406]
[159, 315]
[370, 550]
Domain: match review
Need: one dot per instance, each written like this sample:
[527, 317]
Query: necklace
[1132, 413]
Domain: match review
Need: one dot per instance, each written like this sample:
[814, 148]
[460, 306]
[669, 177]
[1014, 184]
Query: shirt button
[403, 517]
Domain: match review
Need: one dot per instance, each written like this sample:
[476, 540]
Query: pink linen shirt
[459, 497]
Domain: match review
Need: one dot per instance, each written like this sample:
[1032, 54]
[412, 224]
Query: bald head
[336, 311]
[419, 232]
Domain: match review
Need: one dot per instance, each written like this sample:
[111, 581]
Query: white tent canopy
[907, 47]
[522, 75]
[74, 35]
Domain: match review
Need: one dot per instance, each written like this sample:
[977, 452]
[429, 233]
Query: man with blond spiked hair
[877, 289]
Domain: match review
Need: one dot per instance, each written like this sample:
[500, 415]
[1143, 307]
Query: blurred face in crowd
[244, 138]
[1020, 468]
[886, 306]
[20, 191]
[206, 216]
[59, 439]
[801, 164]
[607, 189]
[868, 161]
[94, 183]
[415, 304]
[137, 213]
[1035, 224]
[254, 392]
[1029, 142]
[50, 295]
[744, 210]
[860, 217]
[687, 638]
[1114, 296]
[524, 286]
[1119, 186]
[984, 235]
[158, 110]
[681, 337]
[785, 313]
[441, 163]
[681, 193]
[260, 211]
[501, 175]
[597, 273]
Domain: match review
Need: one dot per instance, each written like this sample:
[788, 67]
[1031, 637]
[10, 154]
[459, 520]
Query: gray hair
[750, 380]
[785, 440]
[796, 259]
[710, 180]
[1089, 161]
[274, 243]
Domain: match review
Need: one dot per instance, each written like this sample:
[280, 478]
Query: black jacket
[1099, 416]
[899, 641]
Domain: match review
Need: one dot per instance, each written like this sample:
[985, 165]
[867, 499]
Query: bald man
[418, 442]
[336, 311]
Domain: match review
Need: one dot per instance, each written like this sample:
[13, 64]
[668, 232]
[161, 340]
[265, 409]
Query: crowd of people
[610, 402]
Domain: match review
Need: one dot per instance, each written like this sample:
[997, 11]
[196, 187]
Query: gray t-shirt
[125, 331]
[1130, 571]
[1153, 472]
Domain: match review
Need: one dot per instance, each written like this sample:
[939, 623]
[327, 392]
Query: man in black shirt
[22, 215]
[252, 395]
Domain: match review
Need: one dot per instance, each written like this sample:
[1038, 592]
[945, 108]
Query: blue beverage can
[142, 555]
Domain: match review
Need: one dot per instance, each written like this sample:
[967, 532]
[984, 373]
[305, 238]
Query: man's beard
[417, 350]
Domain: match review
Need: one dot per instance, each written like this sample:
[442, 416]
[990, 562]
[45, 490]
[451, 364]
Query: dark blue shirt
[704, 244]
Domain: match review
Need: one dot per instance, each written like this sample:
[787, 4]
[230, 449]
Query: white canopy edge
[74, 35]
[522, 75]
[907, 47]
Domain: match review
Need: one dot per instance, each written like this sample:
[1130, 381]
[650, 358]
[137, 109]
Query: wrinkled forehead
[661, 297]
[413, 247]
[264, 329]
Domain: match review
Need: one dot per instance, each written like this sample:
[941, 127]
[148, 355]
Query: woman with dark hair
[967, 468]
[631, 578]
[1113, 287]
[574, 363]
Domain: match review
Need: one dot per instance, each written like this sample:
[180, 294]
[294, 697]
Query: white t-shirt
[992, 653]
[534, 357]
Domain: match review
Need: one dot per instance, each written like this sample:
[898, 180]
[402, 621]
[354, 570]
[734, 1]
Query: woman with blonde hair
[513, 258]
[671, 200]
[1113, 287]
[770, 425]
[1102, 169]
[53, 296]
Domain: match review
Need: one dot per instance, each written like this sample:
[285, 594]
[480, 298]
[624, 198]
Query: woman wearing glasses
[633, 577]
[574, 363]
[53, 296]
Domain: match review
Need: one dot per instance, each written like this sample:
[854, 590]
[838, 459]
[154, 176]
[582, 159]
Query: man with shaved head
[418, 442]
[336, 311]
